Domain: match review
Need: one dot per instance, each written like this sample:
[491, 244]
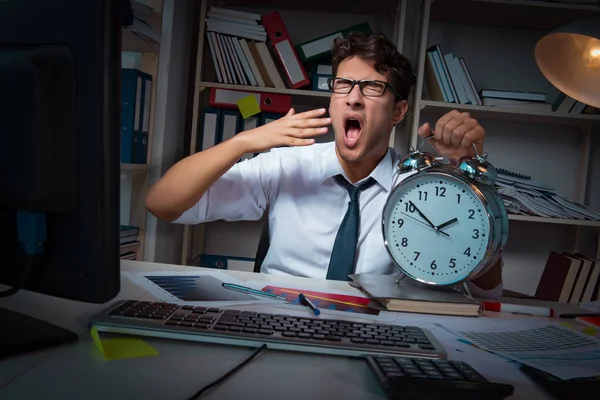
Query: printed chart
[325, 301]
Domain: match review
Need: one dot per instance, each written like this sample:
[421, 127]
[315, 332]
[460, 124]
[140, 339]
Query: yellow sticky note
[589, 331]
[248, 106]
[119, 348]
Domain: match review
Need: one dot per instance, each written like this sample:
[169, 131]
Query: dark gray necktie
[343, 255]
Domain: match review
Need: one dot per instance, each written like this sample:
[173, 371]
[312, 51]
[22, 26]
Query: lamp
[569, 57]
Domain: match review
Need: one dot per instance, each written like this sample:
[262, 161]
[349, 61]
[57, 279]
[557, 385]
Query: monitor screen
[60, 152]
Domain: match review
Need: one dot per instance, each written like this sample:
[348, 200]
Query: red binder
[284, 49]
[268, 102]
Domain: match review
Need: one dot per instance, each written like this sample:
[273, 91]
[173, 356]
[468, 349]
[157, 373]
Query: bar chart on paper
[325, 301]
[196, 288]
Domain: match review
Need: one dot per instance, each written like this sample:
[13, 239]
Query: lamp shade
[569, 57]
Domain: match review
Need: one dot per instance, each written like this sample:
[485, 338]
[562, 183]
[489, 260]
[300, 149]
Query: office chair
[263, 244]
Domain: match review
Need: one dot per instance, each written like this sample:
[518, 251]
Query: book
[410, 296]
[589, 320]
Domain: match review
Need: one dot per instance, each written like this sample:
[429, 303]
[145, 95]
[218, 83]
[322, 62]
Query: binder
[284, 49]
[211, 125]
[132, 82]
[320, 75]
[319, 49]
[266, 117]
[229, 124]
[268, 102]
[246, 125]
[142, 140]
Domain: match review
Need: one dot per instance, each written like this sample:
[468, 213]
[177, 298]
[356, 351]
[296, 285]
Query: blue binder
[132, 109]
[229, 125]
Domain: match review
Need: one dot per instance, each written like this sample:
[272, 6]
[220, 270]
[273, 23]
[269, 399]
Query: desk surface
[77, 371]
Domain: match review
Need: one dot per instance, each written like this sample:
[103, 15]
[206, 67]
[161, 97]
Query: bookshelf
[496, 39]
[167, 61]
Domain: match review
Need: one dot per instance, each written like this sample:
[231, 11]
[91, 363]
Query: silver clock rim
[496, 238]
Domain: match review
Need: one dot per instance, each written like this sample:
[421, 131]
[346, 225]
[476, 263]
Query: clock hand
[422, 215]
[421, 222]
[445, 224]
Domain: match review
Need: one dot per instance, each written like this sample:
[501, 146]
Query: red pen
[518, 309]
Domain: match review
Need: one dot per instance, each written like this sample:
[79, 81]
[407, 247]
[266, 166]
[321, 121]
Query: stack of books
[141, 25]
[256, 50]
[569, 278]
[448, 80]
[130, 242]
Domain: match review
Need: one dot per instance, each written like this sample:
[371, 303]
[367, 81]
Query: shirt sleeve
[240, 194]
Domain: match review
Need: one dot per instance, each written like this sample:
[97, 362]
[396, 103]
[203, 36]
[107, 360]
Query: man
[297, 179]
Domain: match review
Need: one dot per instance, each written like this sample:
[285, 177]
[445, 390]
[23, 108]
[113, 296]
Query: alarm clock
[444, 224]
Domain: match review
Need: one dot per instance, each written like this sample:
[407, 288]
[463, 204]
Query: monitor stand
[20, 333]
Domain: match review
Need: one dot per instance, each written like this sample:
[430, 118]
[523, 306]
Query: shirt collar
[383, 172]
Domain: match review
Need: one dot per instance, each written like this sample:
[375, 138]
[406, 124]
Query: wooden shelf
[133, 167]
[528, 14]
[307, 94]
[132, 42]
[562, 221]
[384, 7]
[512, 114]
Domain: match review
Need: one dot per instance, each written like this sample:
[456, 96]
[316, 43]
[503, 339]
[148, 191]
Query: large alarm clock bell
[444, 224]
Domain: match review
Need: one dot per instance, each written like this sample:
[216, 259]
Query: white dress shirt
[306, 207]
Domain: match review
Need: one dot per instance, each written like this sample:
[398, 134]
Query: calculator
[423, 379]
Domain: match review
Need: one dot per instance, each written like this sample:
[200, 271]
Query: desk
[77, 371]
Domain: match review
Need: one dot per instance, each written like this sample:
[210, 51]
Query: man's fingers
[424, 130]
[460, 131]
[307, 132]
[441, 123]
[311, 123]
[290, 112]
[310, 114]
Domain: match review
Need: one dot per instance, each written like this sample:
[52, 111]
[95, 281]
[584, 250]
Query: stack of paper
[529, 197]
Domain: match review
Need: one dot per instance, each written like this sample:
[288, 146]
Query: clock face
[436, 228]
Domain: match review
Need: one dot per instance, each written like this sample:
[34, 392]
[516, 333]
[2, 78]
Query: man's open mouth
[352, 127]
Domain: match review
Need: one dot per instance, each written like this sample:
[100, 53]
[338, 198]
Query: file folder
[132, 105]
[319, 49]
[246, 125]
[284, 49]
[266, 117]
[229, 124]
[268, 102]
[211, 125]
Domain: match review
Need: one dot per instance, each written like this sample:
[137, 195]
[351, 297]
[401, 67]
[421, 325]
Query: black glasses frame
[361, 84]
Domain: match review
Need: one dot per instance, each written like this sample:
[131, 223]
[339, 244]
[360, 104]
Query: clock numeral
[433, 265]
[404, 242]
[440, 191]
[471, 214]
[422, 196]
[400, 223]
[467, 252]
[410, 207]
[452, 263]
[458, 198]
[417, 255]
[475, 234]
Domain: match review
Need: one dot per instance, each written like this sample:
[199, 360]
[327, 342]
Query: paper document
[193, 288]
[547, 346]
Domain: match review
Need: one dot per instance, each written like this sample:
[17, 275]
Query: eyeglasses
[369, 88]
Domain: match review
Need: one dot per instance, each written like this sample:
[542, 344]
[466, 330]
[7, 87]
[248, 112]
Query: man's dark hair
[386, 59]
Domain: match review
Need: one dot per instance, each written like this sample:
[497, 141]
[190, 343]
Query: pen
[248, 290]
[591, 314]
[518, 309]
[309, 303]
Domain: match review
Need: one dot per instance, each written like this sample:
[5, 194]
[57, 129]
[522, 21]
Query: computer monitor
[60, 63]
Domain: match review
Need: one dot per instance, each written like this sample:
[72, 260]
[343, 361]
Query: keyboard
[278, 331]
[418, 378]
